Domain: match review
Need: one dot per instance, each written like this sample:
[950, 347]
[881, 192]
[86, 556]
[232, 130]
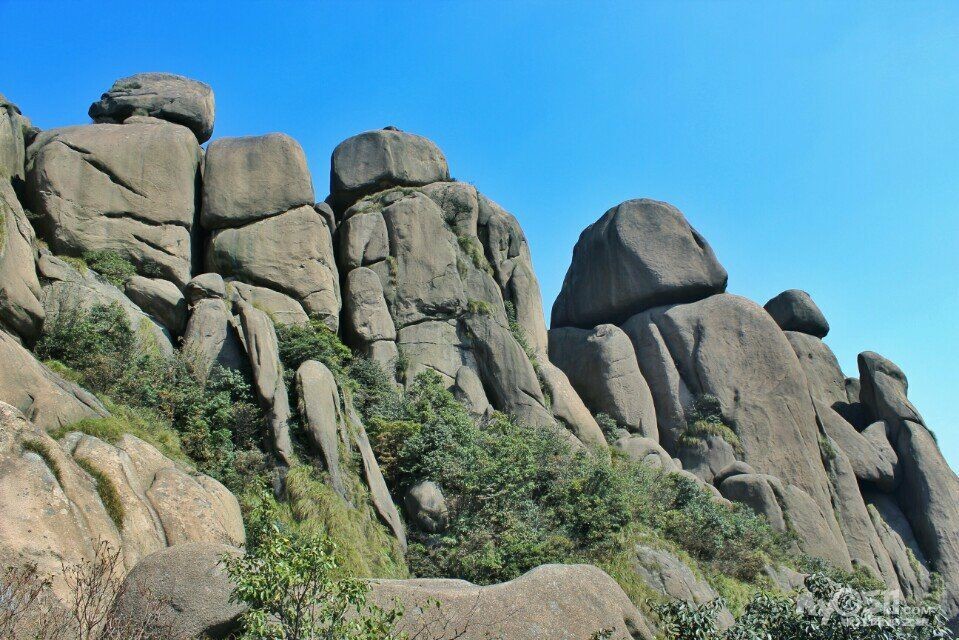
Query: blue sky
[813, 144]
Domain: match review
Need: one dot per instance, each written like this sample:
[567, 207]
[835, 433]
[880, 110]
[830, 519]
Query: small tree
[286, 578]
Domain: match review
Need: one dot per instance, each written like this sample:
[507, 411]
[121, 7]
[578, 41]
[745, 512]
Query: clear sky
[815, 145]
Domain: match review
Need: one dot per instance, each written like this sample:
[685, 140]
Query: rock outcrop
[794, 310]
[21, 307]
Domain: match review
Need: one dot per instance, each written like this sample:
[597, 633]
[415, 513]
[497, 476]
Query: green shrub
[107, 491]
[43, 450]
[312, 341]
[706, 419]
[111, 266]
[479, 307]
[86, 338]
[474, 250]
[608, 425]
[122, 420]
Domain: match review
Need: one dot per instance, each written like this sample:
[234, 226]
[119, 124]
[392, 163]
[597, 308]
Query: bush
[86, 338]
[111, 266]
[312, 341]
[706, 419]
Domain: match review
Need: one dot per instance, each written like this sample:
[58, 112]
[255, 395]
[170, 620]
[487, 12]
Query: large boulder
[283, 309]
[129, 189]
[376, 160]
[668, 575]
[212, 338]
[567, 408]
[601, 365]
[54, 511]
[44, 397]
[728, 347]
[291, 253]
[794, 310]
[883, 391]
[827, 383]
[426, 507]
[899, 541]
[160, 95]
[21, 308]
[161, 299]
[254, 177]
[550, 602]
[640, 254]
[69, 289]
[318, 400]
[12, 152]
[645, 450]
[185, 589]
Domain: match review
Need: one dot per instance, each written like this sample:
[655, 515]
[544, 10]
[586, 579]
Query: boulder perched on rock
[44, 397]
[161, 95]
[129, 189]
[185, 589]
[205, 285]
[640, 254]
[645, 450]
[794, 310]
[21, 307]
[246, 179]
[291, 253]
[601, 365]
[376, 160]
[551, 602]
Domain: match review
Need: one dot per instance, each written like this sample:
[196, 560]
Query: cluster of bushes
[212, 420]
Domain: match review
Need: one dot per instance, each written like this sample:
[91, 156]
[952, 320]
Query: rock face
[426, 507]
[42, 396]
[12, 154]
[160, 95]
[54, 510]
[319, 405]
[291, 253]
[376, 160]
[640, 254]
[160, 299]
[212, 337]
[551, 602]
[246, 179]
[794, 310]
[21, 308]
[192, 588]
[601, 365]
[130, 189]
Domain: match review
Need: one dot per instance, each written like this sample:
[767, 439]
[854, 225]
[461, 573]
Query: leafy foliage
[288, 579]
[111, 266]
[706, 419]
[312, 341]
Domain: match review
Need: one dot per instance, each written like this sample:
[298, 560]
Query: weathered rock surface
[205, 285]
[12, 151]
[601, 365]
[53, 510]
[426, 507]
[45, 398]
[185, 589]
[826, 380]
[706, 457]
[551, 602]
[264, 357]
[67, 290]
[160, 95]
[567, 407]
[211, 337]
[376, 160]
[871, 456]
[730, 348]
[246, 179]
[640, 254]
[21, 308]
[883, 392]
[291, 253]
[161, 299]
[319, 406]
[468, 389]
[645, 450]
[130, 189]
[281, 308]
[794, 310]
[368, 317]
[901, 546]
[668, 575]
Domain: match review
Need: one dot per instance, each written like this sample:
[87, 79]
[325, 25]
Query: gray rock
[640, 254]
[362, 240]
[45, 398]
[161, 299]
[250, 178]
[21, 307]
[550, 602]
[291, 253]
[706, 457]
[825, 378]
[68, 290]
[668, 575]
[729, 347]
[376, 160]
[508, 376]
[426, 507]
[883, 392]
[211, 337]
[319, 405]
[12, 152]
[737, 468]
[468, 389]
[601, 365]
[281, 308]
[567, 407]
[130, 189]
[794, 310]
[205, 285]
[264, 357]
[900, 543]
[645, 450]
[368, 317]
[161, 95]
[785, 578]
[326, 212]
[186, 589]
[431, 345]
[872, 457]
[460, 204]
